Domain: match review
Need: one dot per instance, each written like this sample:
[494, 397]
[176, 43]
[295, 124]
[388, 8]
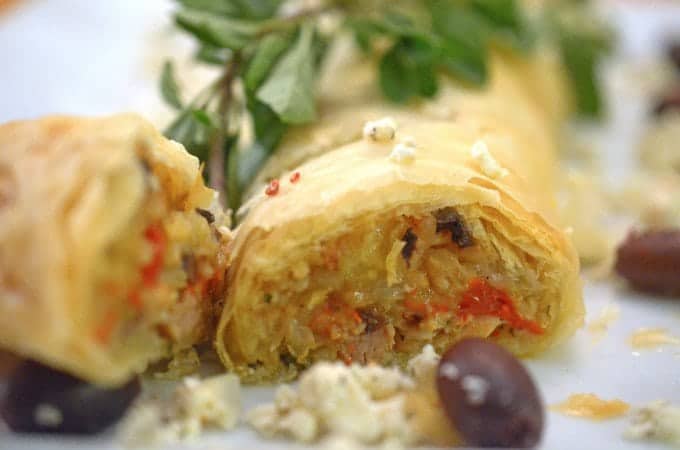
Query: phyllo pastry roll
[372, 250]
[111, 246]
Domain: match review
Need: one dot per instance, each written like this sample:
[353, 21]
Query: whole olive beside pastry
[39, 399]
[489, 396]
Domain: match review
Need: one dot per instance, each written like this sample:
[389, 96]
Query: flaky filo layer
[366, 259]
[110, 257]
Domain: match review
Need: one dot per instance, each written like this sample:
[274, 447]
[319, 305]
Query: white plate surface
[93, 57]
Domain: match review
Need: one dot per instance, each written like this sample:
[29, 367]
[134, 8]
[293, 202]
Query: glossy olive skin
[505, 409]
[650, 261]
[80, 408]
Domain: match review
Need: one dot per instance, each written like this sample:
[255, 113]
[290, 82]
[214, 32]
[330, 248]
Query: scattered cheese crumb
[490, 167]
[364, 405]
[423, 366]
[403, 152]
[194, 405]
[658, 421]
[383, 130]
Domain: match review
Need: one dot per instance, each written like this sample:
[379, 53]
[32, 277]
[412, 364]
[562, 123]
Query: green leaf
[257, 9]
[220, 7]
[365, 31]
[509, 27]
[289, 88]
[205, 118]
[266, 55]
[584, 41]
[169, 88]
[210, 54]
[230, 149]
[407, 70]
[250, 161]
[501, 12]
[464, 37]
[223, 32]
[269, 128]
[189, 132]
[581, 64]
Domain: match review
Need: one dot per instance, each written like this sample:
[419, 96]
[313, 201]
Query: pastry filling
[157, 284]
[397, 281]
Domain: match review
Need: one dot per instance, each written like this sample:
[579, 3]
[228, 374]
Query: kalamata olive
[669, 102]
[448, 219]
[674, 53]
[650, 261]
[489, 397]
[42, 400]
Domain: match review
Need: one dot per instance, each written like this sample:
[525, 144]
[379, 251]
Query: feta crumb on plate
[490, 167]
[658, 421]
[363, 404]
[194, 405]
[423, 365]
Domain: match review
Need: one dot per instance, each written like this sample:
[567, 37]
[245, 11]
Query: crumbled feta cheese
[265, 419]
[214, 401]
[381, 382]
[285, 398]
[383, 130]
[47, 415]
[403, 153]
[423, 366]
[475, 388]
[146, 426]
[194, 405]
[658, 421]
[366, 404]
[340, 401]
[490, 167]
[340, 442]
[302, 425]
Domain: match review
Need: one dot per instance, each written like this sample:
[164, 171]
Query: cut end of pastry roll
[110, 254]
[372, 265]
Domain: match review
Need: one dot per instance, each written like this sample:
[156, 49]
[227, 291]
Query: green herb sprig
[269, 63]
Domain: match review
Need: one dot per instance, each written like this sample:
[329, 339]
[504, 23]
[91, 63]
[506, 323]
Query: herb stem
[216, 158]
[286, 22]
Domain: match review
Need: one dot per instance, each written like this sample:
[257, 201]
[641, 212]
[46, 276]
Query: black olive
[42, 400]
[207, 215]
[410, 238]
[489, 396]
[674, 54]
[669, 102]
[448, 219]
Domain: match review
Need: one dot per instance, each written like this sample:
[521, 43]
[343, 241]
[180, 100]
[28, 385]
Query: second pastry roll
[362, 258]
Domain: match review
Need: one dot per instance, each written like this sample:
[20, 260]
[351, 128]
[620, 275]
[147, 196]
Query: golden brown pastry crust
[69, 188]
[344, 177]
